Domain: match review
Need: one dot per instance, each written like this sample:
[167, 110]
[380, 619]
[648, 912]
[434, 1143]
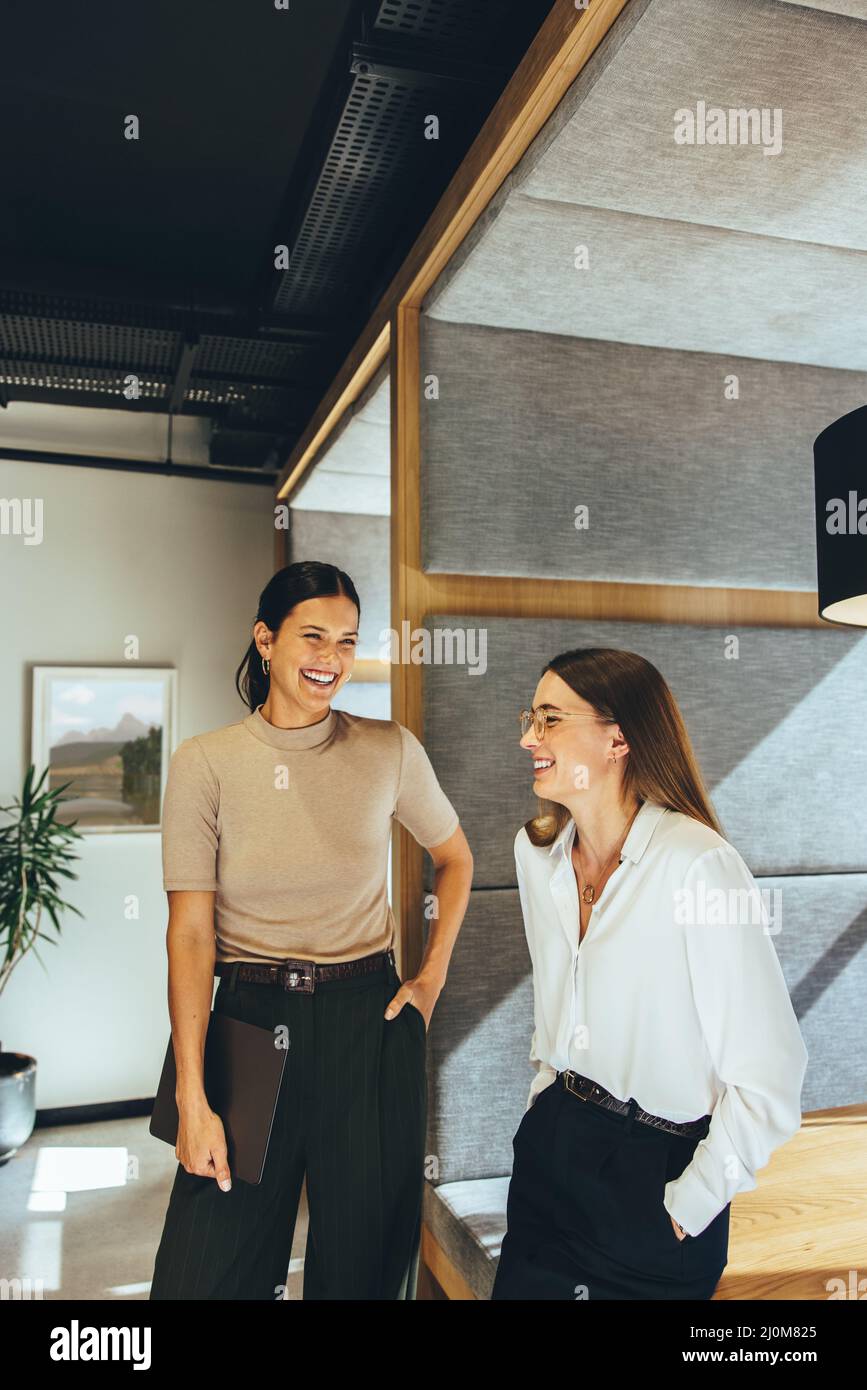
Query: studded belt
[586, 1089]
[301, 976]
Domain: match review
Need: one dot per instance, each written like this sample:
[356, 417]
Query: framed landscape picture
[109, 731]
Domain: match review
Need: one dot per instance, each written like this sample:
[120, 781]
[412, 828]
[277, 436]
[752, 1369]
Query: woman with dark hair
[276, 833]
[669, 1060]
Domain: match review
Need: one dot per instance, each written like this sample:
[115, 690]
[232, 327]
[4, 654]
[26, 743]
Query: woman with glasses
[669, 1061]
[276, 833]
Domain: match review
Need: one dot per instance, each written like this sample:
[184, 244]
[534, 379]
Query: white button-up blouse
[675, 996]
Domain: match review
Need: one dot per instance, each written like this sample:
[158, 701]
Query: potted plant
[34, 853]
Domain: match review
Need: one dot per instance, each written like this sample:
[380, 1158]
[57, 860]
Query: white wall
[180, 562]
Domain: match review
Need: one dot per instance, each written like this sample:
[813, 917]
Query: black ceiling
[259, 127]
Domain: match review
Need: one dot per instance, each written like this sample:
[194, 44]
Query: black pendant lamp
[840, 465]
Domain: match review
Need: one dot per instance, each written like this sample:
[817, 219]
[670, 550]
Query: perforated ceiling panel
[28, 380]
[376, 152]
[346, 185]
[254, 357]
[384, 168]
[60, 340]
[90, 362]
[447, 20]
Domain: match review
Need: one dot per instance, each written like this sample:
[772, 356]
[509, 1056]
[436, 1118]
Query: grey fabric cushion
[683, 485]
[468, 1220]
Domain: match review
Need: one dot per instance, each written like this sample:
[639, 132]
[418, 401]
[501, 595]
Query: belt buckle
[569, 1087]
[297, 976]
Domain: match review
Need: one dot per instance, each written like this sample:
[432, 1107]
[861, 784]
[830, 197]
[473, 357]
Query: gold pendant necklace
[588, 892]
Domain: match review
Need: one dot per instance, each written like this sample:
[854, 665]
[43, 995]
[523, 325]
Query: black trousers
[585, 1214]
[351, 1115]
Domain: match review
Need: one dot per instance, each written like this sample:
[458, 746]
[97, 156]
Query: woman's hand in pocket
[421, 993]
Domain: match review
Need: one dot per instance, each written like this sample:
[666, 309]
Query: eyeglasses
[540, 718]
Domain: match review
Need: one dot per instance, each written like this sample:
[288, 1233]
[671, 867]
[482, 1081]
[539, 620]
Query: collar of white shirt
[635, 843]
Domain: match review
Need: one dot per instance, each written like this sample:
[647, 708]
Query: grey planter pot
[17, 1101]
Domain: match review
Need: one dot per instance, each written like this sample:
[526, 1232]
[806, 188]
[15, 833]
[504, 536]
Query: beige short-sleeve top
[291, 830]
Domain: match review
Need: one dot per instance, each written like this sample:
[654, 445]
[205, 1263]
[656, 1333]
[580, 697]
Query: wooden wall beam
[514, 597]
[407, 604]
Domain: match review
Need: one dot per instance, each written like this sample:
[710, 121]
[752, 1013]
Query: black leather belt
[302, 976]
[585, 1089]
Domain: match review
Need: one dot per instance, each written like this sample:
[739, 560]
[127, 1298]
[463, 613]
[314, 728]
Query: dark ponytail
[283, 592]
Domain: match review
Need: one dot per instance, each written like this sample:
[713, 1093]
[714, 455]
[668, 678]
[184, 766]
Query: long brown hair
[628, 690]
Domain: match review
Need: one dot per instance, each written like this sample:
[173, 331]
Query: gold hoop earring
[266, 665]
[349, 677]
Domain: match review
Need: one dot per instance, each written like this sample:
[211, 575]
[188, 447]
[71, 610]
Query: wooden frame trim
[407, 603]
[435, 1259]
[371, 671]
[559, 51]
[516, 597]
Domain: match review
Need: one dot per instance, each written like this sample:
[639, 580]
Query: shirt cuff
[691, 1204]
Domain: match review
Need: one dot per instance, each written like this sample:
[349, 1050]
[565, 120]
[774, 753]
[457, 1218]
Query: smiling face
[573, 754]
[313, 653]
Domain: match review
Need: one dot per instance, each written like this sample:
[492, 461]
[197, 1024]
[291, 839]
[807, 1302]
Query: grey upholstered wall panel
[658, 57]
[360, 546]
[662, 282]
[483, 1021]
[370, 410]
[363, 447]
[478, 1043]
[856, 9]
[779, 733]
[823, 952]
[683, 485]
[617, 150]
[363, 444]
[350, 472]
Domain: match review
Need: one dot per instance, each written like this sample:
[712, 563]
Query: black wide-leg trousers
[351, 1115]
[585, 1214]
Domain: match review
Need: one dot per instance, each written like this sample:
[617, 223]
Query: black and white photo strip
[433, 575]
